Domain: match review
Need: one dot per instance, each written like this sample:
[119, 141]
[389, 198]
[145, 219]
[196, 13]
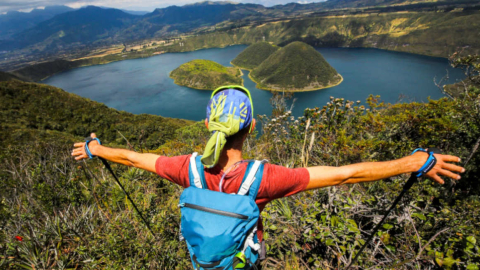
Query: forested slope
[31, 109]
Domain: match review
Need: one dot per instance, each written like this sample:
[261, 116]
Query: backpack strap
[249, 185]
[196, 173]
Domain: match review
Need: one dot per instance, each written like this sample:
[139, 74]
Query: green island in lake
[297, 67]
[254, 55]
[206, 75]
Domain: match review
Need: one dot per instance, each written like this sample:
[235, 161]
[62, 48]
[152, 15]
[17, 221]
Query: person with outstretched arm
[230, 119]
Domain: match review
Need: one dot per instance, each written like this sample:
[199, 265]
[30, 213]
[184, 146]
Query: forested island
[297, 67]
[254, 55]
[206, 75]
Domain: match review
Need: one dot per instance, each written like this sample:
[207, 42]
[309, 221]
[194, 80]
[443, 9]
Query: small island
[206, 75]
[297, 67]
[254, 55]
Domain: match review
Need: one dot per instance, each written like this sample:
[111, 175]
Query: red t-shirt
[277, 181]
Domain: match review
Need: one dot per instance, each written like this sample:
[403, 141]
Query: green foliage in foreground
[254, 55]
[295, 67]
[72, 214]
[206, 75]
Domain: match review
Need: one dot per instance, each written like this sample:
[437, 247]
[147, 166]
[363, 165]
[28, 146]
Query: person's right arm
[144, 161]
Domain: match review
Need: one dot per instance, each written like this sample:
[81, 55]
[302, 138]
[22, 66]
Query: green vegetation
[4, 76]
[31, 110]
[206, 75]
[72, 214]
[294, 68]
[254, 55]
[471, 84]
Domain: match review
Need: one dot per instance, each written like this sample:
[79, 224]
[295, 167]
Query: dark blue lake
[143, 86]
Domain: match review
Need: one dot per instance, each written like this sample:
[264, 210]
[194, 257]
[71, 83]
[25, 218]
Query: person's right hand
[79, 151]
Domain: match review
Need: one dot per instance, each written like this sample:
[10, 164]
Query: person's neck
[229, 157]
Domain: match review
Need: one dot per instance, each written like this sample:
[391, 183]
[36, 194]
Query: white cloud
[26, 10]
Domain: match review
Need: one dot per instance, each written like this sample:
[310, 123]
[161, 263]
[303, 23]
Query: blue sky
[144, 5]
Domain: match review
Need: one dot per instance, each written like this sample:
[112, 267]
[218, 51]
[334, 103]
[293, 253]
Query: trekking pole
[128, 196]
[413, 178]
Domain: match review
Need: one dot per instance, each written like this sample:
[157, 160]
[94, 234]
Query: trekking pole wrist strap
[87, 150]
[429, 164]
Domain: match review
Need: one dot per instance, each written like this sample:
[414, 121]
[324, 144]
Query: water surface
[143, 86]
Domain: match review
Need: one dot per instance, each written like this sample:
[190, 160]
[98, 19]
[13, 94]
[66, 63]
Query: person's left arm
[325, 176]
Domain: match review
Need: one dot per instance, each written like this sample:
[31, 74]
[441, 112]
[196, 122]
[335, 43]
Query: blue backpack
[220, 229]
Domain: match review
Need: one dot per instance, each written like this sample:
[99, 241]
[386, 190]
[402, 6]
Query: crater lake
[143, 85]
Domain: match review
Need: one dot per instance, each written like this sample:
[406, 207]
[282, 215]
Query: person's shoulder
[181, 159]
[279, 170]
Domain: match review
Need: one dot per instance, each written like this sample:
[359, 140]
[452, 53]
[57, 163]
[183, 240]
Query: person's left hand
[79, 151]
[443, 167]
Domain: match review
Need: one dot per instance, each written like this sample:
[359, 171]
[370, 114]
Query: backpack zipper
[213, 211]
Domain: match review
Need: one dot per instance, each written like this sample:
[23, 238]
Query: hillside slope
[254, 55]
[4, 77]
[296, 67]
[435, 34]
[31, 110]
[206, 75]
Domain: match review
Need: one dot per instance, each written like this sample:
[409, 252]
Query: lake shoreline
[294, 91]
[288, 91]
[95, 61]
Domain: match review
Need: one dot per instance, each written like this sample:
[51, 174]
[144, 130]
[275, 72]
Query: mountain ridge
[14, 22]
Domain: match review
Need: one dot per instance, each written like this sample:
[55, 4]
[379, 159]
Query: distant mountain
[14, 22]
[391, 5]
[295, 67]
[105, 25]
[254, 55]
[188, 17]
[82, 26]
